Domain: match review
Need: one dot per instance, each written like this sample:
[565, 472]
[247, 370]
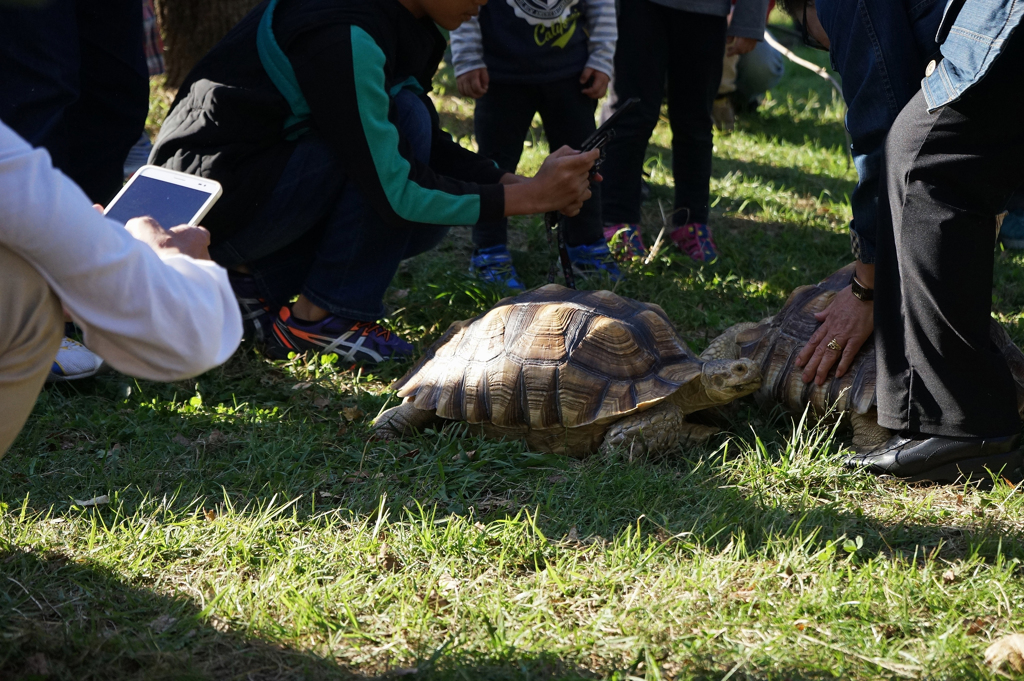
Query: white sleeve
[603, 32]
[158, 319]
[468, 47]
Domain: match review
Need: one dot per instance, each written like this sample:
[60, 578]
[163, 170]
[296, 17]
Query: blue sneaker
[350, 340]
[494, 265]
[256, 317]
[591, 260]
[1011, 234]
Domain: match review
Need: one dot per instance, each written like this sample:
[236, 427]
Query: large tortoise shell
[774, 344]
[552, 357]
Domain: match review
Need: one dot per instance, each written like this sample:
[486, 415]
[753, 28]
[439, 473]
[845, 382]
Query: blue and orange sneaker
[256, 316]
[624, 240]
[350, 340]
[494, 264]
[695, 240]
[592, 260]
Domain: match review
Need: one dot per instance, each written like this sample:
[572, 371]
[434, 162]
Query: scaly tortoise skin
[568, 372]
[774, 343]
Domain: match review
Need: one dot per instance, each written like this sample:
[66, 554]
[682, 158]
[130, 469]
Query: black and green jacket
[329, 68]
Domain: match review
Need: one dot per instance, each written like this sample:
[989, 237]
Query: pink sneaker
[695, 240]
[624, 240]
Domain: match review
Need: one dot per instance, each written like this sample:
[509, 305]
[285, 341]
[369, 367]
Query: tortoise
[569, 372]
[774, 342]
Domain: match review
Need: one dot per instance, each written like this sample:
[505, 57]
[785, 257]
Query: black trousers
[658, 45]
[948, 174]
[501, 122]
[73, 79]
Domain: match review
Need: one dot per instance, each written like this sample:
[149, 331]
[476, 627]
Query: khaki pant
[31, 326]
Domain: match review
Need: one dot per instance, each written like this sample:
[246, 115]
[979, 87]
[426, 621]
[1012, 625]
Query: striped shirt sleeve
[603, 33]
[468, 47]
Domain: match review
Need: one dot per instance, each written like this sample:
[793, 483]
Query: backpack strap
[281, 73]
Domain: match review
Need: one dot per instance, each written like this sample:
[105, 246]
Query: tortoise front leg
[402, 420]
[867, 434]
[655, 430]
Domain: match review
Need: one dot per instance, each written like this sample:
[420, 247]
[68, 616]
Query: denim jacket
[972, 35]
[880, 49]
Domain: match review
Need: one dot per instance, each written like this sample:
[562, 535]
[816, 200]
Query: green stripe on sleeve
[409, 200]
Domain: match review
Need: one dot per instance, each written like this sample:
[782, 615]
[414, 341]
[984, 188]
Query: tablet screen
[169, 204]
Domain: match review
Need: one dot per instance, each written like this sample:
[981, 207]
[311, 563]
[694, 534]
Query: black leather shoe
[940, 459]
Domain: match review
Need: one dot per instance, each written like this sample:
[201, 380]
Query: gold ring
[834, 345]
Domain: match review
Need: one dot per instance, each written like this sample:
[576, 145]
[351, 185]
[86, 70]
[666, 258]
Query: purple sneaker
[351, 341]
[256, 316]
[624, 240]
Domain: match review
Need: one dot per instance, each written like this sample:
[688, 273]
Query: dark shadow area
[62, 619]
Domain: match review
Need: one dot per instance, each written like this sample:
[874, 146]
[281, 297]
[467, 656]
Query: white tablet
[169, 197]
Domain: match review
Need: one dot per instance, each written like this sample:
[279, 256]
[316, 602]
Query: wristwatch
[860, 291]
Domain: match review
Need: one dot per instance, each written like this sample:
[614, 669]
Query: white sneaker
[74, 361]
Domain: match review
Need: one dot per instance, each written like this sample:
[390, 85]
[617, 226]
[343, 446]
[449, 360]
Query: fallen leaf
[352, 413]
[211, 514]
[37, 665]
[1007, 650]
[162, 623]
[745, 595]
[471, 454]
[405, 671]
[355, 476]
[181, 440]
[948, 576]
[387, 560]
[977, 625]
[95, 501]
[301, 386]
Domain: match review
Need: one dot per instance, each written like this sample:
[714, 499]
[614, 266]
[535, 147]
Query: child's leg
[640, 65]
[694, 74]
[501, 121]
[359, 252]
[568, 117]
[280, 243]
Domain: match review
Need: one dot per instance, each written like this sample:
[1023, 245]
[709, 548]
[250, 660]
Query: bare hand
[850, 322]
[737, 45]
[181, 240]
[564, 180]
[598, 88]
[473, 83]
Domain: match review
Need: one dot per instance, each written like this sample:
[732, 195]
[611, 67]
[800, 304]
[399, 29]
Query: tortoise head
[726, 380]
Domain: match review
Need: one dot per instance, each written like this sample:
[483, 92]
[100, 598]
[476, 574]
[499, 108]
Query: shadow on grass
[65, 619]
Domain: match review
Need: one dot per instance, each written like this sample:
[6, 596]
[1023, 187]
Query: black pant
[502, 121]
[656, 43]
[948, 174]
[73, 79]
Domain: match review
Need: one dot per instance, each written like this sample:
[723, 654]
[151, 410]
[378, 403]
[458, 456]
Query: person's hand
[737, 45]
[850, 322]
[564, 180]
[473, 83]
[561, 184]
[599, 87]
[181, 240]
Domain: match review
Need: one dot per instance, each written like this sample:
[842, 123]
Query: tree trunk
[192, 27]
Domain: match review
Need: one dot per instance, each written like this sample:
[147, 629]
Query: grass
[253, 532]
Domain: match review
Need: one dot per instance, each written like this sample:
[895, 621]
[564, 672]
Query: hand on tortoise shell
[847, 320]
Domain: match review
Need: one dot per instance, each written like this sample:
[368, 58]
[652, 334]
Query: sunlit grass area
[251, 529]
